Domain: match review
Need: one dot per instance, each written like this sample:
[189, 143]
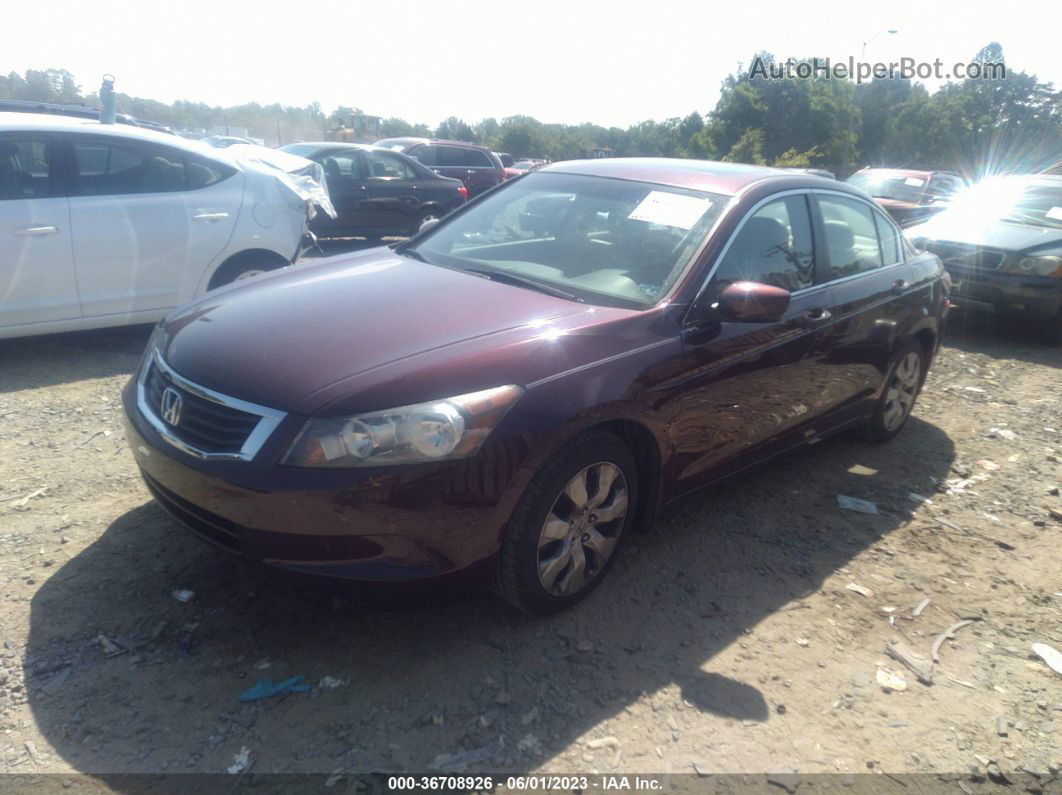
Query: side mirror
[752, 302]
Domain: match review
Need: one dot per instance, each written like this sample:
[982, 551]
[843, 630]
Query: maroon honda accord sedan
[525, 383]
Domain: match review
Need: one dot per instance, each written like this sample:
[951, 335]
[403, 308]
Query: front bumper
[387, 524]
[1037, 297]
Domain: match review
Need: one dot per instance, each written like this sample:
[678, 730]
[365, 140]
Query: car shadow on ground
[123, 677]
[1000, 338]
[32, 362]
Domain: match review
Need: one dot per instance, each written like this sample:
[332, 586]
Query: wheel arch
[234, 260]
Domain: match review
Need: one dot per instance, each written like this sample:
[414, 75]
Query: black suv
[476, 166]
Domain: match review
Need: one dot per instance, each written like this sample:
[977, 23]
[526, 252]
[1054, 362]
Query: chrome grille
[206, 424]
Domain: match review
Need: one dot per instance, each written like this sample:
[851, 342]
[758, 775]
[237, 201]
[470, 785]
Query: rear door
[752, 388]
[481, 171]
[147, 221]
[873, 297]
[37, 281]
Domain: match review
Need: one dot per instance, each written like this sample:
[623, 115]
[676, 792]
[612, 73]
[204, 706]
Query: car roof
[704, 175]
[43, 122]
[909, 172]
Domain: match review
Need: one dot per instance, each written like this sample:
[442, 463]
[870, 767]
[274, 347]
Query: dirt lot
[730, 640]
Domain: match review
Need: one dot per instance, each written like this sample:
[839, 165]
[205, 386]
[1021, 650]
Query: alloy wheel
[427, 219]
[902, 390]
[582, 529]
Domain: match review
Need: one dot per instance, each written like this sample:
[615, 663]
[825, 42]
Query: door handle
[35, 231]
[899, 287]
[210, 217]
[815, 317]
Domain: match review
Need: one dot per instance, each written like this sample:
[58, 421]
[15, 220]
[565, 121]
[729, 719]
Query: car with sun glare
[516, 389]
[1001, 242]
[908, 195]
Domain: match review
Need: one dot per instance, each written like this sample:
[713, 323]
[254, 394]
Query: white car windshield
[607, 241]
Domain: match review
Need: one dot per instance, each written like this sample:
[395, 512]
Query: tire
[244, 266]
[549, 535]
[907, 373]
[1051, 336]
[424, 217]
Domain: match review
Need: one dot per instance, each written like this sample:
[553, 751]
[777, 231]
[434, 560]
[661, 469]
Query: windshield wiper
[520, 281]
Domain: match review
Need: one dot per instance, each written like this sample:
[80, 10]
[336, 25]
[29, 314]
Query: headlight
[440, 429]
[1041, 266]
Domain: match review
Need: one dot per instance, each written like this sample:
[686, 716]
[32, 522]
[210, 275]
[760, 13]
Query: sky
[610, 63]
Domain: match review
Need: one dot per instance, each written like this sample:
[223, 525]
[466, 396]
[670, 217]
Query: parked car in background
[107, 225]
[908, 196]
[476, 166]
[521, 390]
[507, 161]
[1001, 241]
[528, 164]
[225, 141]
[818, 172]
[378, 192]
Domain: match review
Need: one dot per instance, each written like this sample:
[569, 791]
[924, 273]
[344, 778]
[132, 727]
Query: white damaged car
[109, 225]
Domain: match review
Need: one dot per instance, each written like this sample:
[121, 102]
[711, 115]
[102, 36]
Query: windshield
[1010, 200]
[606, 241]
[889, 185]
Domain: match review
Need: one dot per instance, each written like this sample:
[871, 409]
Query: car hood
[371, 328]
[999, 235]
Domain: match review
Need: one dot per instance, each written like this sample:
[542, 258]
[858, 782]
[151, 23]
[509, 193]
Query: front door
[393, 192]
[37, 281]
[749, 388]
[345, 174]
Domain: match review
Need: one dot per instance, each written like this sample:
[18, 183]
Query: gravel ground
[747, 634]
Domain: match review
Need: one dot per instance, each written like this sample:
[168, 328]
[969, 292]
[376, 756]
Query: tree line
[974, 127]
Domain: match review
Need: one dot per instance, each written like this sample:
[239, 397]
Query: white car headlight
[1042, 266]
[440, 429]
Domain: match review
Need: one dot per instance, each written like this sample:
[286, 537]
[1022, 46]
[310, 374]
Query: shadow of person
[458, 678]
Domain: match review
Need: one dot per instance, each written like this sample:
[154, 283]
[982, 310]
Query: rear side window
[26, 170]
[451, 156]
[428, 155]
[114, 168]
[773, 247]
[851, 236]
[891, 245]
[477, 158]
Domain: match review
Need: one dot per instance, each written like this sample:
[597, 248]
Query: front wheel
[568, 525]
[897, 400]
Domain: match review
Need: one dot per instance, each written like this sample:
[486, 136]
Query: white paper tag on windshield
[1055, 213]
[914, 182]
[670, 209]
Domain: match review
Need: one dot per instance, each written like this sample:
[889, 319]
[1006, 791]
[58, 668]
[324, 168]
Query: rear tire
[425, 217]
[244, 266]
[566, 531]
[902, 386]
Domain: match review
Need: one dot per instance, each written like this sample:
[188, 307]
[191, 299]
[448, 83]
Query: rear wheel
[897, 400]
[244, 266]
[568, 525]
[425, 218]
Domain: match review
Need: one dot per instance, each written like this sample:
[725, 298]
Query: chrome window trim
[806, 192]
[268, 422]
[737, 230]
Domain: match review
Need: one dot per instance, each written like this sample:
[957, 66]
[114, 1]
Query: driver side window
[772, 247]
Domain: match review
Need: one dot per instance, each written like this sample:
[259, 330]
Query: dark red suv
[478, 167]
[529, 380]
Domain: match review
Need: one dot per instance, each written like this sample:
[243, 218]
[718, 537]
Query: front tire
[904, 382]
[567, 528]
